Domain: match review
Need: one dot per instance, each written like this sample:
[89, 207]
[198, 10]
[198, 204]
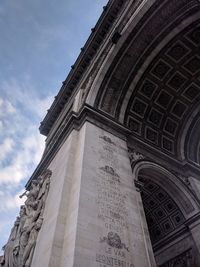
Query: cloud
[9, 201]
[22, 145]
[5, 148]
[9, 209]
[1, 126]
[26, 96]
[41, 106]
[6, 107]
[21, 109]
[23, 161]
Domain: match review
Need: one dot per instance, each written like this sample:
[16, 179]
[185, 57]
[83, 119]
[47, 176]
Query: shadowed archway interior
[154, 89]
[167, 93]
[162, 213]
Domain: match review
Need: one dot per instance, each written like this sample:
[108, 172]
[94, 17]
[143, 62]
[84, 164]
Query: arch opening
[168, 209]
[150, 81]
[163, 215]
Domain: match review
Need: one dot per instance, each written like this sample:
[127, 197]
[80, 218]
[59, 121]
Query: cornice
[74, 121]
[98, 34]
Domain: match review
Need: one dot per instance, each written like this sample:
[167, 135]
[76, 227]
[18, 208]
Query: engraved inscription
[111, 200]
[106, 260]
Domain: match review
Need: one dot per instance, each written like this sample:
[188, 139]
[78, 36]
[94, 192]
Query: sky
[39, 42]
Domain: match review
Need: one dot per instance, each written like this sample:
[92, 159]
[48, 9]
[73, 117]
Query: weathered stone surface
[98, 220]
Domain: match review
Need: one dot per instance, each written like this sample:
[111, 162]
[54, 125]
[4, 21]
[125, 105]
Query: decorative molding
[114, 240]
[88, 52]
[134, 156]
[186, 181]
[87, 113]
[139, 185]
[183, 178]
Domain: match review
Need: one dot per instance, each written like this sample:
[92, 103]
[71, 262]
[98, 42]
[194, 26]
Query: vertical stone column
[195, 232]
[93, 219]
[109, 227]
[59, 226]
[194, 185]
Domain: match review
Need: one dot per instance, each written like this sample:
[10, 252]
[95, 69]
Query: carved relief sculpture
[18, 251]
[114, 240]
[9, 258]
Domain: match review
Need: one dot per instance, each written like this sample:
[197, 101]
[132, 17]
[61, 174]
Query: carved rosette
[18, 252]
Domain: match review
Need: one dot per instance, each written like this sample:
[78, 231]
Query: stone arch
[107, 64]
[151, 88]
[185, 199]
[141, 83]
[190, 138]
[169, 206]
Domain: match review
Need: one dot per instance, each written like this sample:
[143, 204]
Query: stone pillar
[195, 232]
[94, 214]
[194, 184]
[59, 226]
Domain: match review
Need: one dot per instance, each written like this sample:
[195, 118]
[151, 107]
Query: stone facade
[122, 148]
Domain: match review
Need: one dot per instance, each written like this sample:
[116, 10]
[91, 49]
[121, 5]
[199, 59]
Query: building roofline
[98, 33]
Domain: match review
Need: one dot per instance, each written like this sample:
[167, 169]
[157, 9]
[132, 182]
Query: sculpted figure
[44, 181]
[34, 204]
[9, 258]
[23, 243]
[44, 184]
[18, 251]
[23, 217]
[16, 247]
[33, 192]
[32, 214]
[31, 202]
[29, 249]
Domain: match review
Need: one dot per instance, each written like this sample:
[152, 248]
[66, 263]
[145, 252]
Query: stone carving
[114, 240]
[112, 172]
[107, 139]
[134, 156]
[18, 251]
[109, 170]
[32, 233]
[9, 258]
[139, 185]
